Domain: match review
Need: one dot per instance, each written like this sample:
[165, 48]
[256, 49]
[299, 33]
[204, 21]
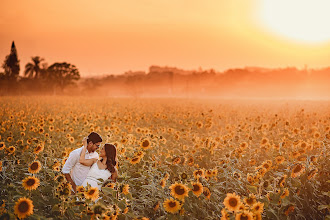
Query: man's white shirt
[78, 171]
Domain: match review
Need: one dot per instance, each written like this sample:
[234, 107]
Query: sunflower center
[172, 204]
[23, 207]
[179, 190]
[244, 217]
[145, 143]
[196, 187]
[249, 201]
[233, 202]
[257, 208]
[34, 166]
[297, 169]
[30, 182]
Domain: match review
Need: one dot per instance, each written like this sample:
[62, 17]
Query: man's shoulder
[76, 151]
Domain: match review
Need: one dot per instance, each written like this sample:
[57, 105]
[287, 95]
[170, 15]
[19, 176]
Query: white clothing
[94, 174]
[77, 170]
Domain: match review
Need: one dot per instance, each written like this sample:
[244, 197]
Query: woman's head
[110, 152]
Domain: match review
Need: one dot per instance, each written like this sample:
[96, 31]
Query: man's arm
[69, 179]
[69, 164]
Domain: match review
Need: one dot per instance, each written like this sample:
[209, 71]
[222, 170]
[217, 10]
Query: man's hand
[69, 179]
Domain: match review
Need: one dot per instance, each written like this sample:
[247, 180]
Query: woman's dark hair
[94, 138]
[111, 152]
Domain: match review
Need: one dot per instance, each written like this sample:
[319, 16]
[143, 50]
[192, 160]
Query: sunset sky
[110, 37]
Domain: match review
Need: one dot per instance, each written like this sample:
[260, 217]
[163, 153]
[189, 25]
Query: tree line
[38, 76]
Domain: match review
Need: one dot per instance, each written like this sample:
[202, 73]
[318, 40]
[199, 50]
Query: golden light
[305, 21]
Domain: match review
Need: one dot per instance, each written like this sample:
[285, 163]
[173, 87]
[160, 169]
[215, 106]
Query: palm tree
[32, 70]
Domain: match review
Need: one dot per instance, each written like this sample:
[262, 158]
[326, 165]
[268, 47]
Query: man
[75, 172]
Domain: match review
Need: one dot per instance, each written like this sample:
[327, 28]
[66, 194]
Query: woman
[100, 169]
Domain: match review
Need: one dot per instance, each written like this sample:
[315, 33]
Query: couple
[84, 166]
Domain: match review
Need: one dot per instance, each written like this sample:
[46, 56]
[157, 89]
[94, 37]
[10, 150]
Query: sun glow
[303, 21]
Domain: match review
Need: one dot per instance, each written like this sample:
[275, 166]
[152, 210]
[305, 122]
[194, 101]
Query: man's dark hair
[94, 138]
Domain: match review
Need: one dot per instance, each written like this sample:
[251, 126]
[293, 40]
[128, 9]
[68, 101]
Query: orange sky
[112, 37]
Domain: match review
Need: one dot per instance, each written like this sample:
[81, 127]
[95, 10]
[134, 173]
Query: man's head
[93, 141]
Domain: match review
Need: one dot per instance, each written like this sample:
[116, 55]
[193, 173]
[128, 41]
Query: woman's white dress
[94, 174]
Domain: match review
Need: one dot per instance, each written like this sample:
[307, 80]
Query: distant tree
[11, 64]
[63, 74]
[33, 70]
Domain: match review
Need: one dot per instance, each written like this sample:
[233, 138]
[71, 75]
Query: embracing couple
[85, 165]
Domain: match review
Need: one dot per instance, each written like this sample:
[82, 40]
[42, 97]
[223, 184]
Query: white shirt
[78, 171]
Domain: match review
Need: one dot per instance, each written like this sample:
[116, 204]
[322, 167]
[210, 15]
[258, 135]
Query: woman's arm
[82, 160]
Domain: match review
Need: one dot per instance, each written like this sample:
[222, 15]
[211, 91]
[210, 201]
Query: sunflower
[179, 191]
[246, 215]
[80, 189]
[208, 173]
[285, 193]
[30, 183]
[257, 216]
[279, 159]
[250, 200]
[111, 185]
[34, 167]
[171, 205]
[2, 145]
[71, 140]
[92, 193]
[51, 128]
[289, 210]
[282, 181]
[190, 161]
[198, 173]
[297, 170]
[11, 149]
[232, 202]
[264, 141]
[145, 144]
[262, 171]
[125, 189]
[9, 139]
[38, 149]
[266, 165]
[162, 183]
[224, 215]
[135, 160]
[23, 208]
[206, 192]
[197, 188]
[258, 207]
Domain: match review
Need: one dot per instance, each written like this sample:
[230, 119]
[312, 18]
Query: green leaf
[252, 189]
[122, 204]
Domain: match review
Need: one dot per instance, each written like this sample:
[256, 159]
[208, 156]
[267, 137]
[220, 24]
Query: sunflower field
[178, 158]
